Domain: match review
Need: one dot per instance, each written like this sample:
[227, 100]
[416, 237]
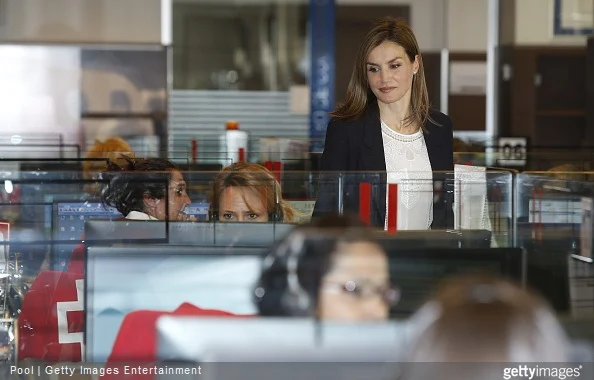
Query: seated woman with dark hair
[332, 269]
[146, 189]
[244, 192]
[142, 189]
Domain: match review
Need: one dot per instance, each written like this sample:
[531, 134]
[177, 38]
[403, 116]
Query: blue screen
[70, 225]
[198, 210]
[71, 218]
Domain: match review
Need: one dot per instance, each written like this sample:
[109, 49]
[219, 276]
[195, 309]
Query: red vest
[137, 339]
[51, 322]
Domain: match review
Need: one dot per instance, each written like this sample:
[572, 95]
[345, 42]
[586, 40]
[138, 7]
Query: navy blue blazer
[357, 146]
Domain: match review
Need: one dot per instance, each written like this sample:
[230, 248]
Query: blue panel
[322, 17]
[563, 31]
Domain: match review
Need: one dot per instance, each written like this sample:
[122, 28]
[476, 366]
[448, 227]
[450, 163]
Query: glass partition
[59, 234]
[553, 217]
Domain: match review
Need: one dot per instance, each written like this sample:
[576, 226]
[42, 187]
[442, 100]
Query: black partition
[104, 232]
[431, 239]
[417, 272]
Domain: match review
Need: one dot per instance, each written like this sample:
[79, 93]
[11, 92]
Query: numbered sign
[512, 151]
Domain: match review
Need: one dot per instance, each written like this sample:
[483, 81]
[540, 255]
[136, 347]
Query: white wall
[460, 25]
[81, 21]
[534, 25]
[467, 25]
[427, 19]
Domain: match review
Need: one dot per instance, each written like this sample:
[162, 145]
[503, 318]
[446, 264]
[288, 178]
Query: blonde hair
[359, 94]
[112, 149]
[255, 177]
[486, 319]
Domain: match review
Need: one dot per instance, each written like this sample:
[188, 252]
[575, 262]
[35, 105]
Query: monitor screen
[317, 350]
[70, 218]
[124, 279]
[418, 272]
[198, 210]
[190, 338]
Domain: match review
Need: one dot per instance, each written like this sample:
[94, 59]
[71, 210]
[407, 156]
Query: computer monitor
[196, 233]
[294, 347]
[69, 224]
[418, 272]
[202, 334]
[69, 219]
[435, 239]
[120, 280]
[198, 210]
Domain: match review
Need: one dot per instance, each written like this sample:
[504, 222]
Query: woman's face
[390, 72]
[355, 287]
[176, 196]
[242, 204]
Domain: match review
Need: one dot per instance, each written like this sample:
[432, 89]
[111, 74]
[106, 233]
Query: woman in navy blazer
[387, 96]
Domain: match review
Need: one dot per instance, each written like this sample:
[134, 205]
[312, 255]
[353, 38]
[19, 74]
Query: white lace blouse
[408, 165]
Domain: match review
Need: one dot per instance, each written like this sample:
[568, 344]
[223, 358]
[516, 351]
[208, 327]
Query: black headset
[279, 291]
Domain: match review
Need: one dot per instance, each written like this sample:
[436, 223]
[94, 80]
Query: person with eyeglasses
[332, 269]
[146, 189]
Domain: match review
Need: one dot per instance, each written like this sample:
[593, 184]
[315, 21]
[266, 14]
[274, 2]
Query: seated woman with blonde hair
[245, 192]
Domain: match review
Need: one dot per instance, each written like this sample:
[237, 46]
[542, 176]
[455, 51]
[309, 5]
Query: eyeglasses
[389, 294]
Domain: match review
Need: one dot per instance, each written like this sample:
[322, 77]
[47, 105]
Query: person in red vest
[51, 322]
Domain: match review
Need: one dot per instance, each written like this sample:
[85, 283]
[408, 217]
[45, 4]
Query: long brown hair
[503, 321]
[359, 94]
[254, 176]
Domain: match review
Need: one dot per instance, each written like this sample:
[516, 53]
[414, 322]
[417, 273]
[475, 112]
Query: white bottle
[234, 144]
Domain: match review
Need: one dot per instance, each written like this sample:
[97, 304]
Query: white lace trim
[399, 136]
[408, 165]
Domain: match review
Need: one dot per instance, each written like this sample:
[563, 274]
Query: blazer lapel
[373, 160]
[372, 154]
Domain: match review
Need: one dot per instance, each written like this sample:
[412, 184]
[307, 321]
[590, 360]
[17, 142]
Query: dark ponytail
[126, 186]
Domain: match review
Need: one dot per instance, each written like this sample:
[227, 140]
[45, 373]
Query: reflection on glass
[249, 47]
